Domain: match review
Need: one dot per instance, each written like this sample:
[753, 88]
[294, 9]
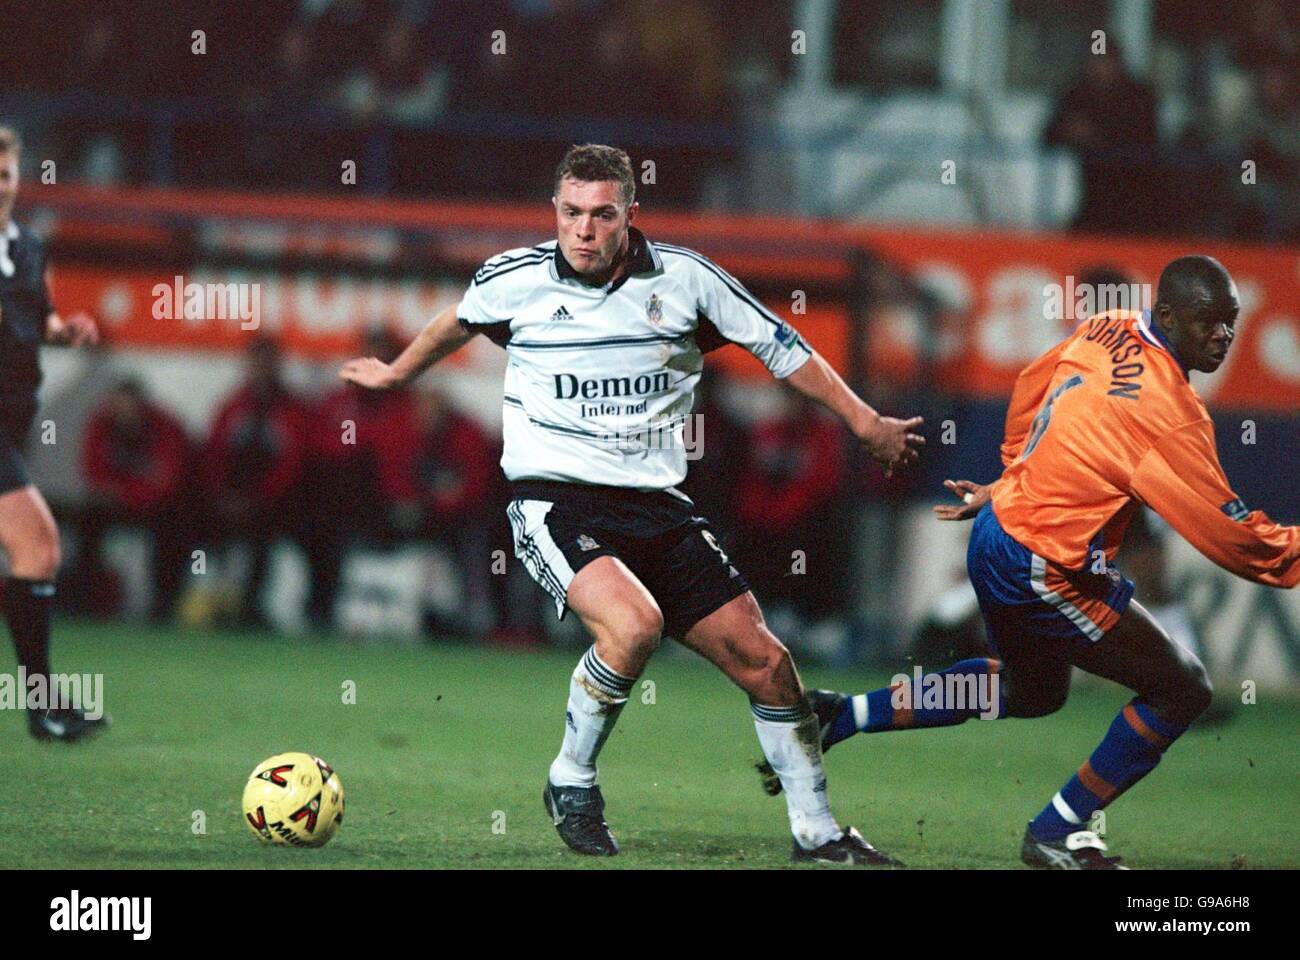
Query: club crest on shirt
[1236, 509]
[654, 310]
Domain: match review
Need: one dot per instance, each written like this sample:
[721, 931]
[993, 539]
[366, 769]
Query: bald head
[1196, 309]
[1189, 279]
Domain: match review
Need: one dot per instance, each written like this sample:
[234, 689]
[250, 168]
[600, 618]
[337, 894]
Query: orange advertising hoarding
[1007, 296]
[1007, 291]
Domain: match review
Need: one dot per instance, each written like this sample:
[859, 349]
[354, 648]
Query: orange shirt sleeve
[1027, 398]
[1181, 479]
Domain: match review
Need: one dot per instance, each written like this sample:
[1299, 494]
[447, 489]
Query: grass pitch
[444, 753]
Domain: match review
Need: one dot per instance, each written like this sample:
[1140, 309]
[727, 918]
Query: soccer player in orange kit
[1102, 422]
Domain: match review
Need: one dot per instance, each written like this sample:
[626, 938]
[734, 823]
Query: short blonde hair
[595, 162]
[10, 142]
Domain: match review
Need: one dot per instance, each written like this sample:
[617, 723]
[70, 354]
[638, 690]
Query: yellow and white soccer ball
[294, 799]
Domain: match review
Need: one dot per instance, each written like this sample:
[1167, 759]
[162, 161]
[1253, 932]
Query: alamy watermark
[179, 300]
[661, 432]
[55, 691]
[76, 913]
[951, 691]
[1079, 301]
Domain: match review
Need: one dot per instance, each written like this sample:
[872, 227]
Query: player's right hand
[893, 444]
[371, 373]
[973, 496]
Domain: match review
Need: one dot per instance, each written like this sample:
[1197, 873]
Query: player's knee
[777, 661]
[1184, 699]
[639, 629]
[37, 559]
[771, 676]
[1196, 694]
[1034, 703]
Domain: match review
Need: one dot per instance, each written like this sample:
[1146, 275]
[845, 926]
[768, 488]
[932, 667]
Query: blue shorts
[1024, 596]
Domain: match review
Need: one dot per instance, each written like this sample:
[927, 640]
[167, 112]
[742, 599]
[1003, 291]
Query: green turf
[441, 738]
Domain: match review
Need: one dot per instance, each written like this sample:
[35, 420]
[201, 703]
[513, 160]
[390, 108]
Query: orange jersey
[1108, 419]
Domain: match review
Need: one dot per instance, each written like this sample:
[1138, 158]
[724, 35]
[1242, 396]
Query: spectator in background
[281, 87]
[1268, 37]
[659, 70]
[719, 443]
[1112, 288]
[347, 30]
[437, 470]
[951, 628]
[95, 144]
[346, 504]
[288, 79]
[539, 76]
[403, 84]
[252, 466]
[1108, 119]
[674, 53]
[392, 95]
[788, 499]
[1273, 201]
[136, 459]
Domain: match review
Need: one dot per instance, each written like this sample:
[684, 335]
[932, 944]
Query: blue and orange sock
[1136, 741]
[968, 688]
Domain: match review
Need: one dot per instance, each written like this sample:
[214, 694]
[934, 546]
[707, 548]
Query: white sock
[596, 698]
[791, 741]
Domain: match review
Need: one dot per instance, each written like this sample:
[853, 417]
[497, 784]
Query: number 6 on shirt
[1044, 417]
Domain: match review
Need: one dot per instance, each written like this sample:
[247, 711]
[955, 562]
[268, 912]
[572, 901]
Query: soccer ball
[294, 799]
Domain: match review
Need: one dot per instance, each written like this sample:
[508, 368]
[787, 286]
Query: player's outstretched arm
[890, 441]
[442, 336]
[1180, 478]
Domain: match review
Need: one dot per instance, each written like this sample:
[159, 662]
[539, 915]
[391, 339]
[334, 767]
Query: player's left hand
[76, 330]
[893, 444]
[973, 497]
[371, 373]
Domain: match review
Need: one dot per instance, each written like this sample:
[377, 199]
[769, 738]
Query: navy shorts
[559, 528]
[1025, 597]
[15, 423]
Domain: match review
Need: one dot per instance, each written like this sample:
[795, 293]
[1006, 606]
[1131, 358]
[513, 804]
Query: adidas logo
[562, 314]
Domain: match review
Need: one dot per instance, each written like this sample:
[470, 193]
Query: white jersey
[600, 380]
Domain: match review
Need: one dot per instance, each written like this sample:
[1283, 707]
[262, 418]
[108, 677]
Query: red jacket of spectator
[794, 466]
[257, 446]
[448, 470]
[371, 412]
[142, 469]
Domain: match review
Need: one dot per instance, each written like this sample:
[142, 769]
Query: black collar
[640, 259]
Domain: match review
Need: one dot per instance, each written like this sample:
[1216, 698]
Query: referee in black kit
[28, 534]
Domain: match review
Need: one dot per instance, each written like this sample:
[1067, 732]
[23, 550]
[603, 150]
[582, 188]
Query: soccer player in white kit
[605, 333]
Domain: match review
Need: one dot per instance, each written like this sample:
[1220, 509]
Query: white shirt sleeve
[488, 300]
[481, 307]
[740, 318]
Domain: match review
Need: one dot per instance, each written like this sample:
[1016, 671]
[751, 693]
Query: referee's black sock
[27, 611]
